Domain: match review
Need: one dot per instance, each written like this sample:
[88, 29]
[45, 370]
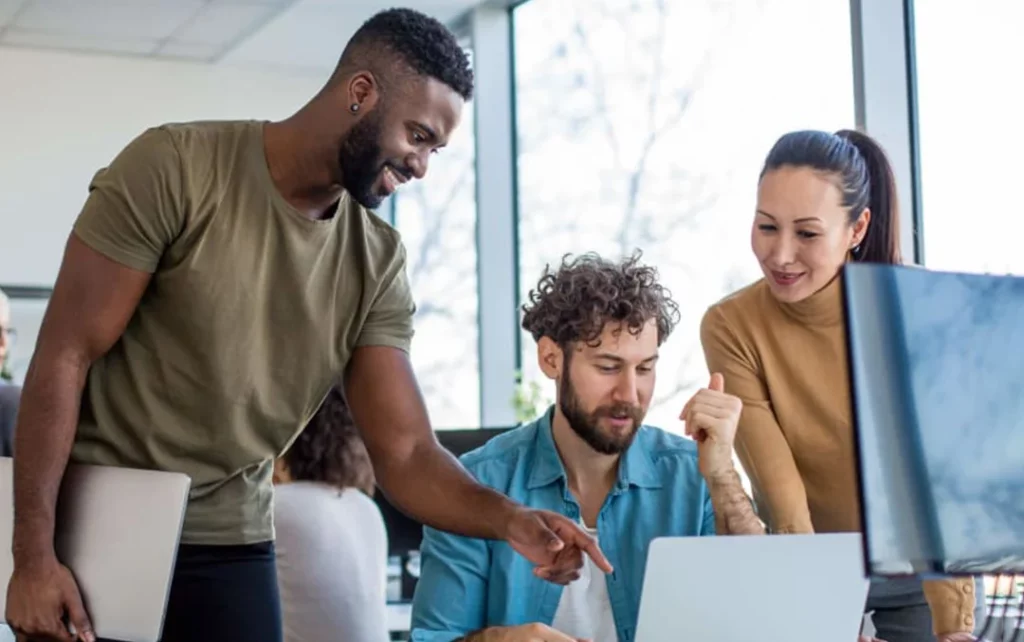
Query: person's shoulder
[750, 298]
[10, 400]
[360, 502]
[311, 502]
[10, 394]
[508, 444]
[183, 136]
[736, 312]
[179, 146]
[662, 445]
[207, 132]
[496, 460]
[674, 457]
[359, 508]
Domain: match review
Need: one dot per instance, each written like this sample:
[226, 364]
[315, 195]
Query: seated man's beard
[586, 425]
[361, 162]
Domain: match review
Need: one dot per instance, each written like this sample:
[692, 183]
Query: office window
[437, 220]
[970, 138]
[644, 124]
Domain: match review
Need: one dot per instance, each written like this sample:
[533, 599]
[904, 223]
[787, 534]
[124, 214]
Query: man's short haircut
[329, 450]
[410, 38]
[574, 303]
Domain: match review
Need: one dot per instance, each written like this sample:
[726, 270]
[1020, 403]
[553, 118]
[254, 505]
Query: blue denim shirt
[469, 584]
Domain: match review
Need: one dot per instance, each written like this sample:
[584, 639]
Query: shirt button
[967, 588]
[969, 620]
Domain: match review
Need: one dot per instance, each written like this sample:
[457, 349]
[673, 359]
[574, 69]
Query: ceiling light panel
[116, 19]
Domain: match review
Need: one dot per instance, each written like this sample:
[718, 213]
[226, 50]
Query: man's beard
[587, 425]
[360, 161]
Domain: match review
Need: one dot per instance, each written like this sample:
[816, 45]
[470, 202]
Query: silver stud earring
[354, 108]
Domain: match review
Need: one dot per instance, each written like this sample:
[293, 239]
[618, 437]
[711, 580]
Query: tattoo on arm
[734, 512]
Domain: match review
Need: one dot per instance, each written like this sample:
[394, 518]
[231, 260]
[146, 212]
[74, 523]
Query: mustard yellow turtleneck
[788, 363]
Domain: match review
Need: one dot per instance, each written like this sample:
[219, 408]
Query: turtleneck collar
[823, 308]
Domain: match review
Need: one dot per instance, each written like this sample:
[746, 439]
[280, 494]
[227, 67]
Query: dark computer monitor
[937, 374]
[405, 533]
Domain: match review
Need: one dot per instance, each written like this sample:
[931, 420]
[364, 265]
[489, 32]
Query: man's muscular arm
[92, 301]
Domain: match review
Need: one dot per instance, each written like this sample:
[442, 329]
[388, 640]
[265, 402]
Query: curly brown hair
[330, 450]
[574, 303]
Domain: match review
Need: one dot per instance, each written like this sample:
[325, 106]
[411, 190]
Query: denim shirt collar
[636, 466]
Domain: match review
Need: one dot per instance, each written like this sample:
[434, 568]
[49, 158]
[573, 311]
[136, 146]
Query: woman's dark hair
[329, 449]
[864, 176]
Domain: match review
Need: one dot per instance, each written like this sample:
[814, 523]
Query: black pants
[224, 593]
[900, 612]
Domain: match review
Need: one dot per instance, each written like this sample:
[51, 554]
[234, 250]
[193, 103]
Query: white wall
[63, 116]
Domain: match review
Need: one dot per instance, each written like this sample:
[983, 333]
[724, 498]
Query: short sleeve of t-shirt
[389, 322]
[134, 209]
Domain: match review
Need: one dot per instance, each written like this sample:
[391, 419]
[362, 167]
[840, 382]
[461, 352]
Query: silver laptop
[738, 588]
[118, 531]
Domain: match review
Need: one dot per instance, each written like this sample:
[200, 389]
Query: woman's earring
[354, 108]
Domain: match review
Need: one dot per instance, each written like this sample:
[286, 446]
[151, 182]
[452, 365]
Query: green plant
[528, 400]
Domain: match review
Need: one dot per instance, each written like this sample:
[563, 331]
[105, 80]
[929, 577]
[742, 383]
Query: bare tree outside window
[624, 91]
[637, 129]
[640, 124]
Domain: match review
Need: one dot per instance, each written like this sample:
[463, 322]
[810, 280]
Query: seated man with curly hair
[332, 545]
[598, 325]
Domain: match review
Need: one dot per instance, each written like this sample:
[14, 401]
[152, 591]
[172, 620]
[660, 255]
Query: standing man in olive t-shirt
[220, 279]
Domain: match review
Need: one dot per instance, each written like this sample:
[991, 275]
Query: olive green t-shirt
[251, 315]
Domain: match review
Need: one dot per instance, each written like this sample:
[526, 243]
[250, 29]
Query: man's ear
[363, 92]
[549, 357]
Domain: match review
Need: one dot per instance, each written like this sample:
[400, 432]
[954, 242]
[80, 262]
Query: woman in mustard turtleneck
[823, 199]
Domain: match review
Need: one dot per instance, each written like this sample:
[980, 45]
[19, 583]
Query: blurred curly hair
[574, 303]
[329, 449]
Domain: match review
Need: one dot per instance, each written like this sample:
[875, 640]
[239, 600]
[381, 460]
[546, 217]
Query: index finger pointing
[590, 546]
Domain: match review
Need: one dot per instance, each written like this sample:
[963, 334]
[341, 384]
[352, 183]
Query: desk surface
[399, 616]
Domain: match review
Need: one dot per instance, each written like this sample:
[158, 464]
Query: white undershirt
[331, 564]
[584, 611]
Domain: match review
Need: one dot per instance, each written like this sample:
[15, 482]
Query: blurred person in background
[6, 335]
[332, 545]
[10, 394]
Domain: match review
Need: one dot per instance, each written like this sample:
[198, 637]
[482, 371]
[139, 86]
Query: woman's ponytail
[881, 244]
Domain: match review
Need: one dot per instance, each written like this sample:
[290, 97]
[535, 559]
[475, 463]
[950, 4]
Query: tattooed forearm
[734, 512]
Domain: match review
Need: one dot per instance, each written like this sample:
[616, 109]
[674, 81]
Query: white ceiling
[268, 33]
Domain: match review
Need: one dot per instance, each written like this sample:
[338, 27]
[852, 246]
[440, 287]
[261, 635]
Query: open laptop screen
[937, 376]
